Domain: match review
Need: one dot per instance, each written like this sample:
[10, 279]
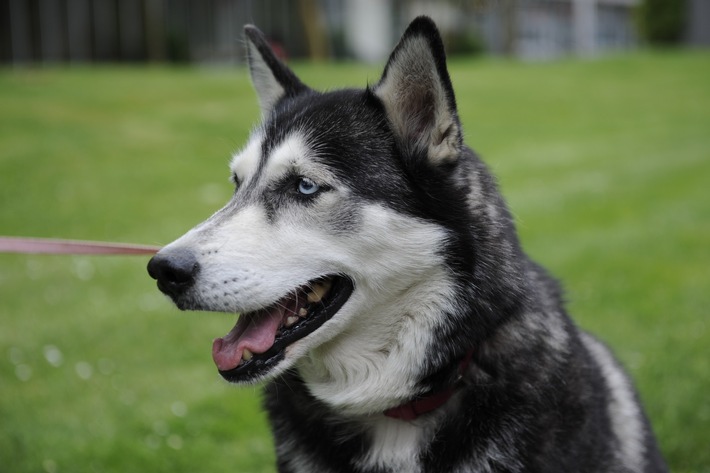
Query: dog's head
[348, 226]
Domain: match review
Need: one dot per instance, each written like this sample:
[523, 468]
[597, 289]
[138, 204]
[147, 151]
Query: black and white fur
[411, 217]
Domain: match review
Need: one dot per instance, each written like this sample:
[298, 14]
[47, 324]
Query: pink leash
[71, 247]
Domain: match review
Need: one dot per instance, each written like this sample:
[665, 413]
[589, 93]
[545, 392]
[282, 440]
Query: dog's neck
[432, 401]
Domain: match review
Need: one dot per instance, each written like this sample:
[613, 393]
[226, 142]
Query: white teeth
[247, 355]
[290, 320]
[302, 312]
[319, 290]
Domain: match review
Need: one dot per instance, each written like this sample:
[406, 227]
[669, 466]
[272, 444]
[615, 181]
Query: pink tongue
[256, 333]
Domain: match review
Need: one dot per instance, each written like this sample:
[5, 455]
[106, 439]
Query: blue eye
[307, 186]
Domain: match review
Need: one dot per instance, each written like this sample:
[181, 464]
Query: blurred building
[210, 31]
[539, 29]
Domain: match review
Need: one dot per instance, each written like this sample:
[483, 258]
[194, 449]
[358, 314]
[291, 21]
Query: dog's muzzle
[175, 271]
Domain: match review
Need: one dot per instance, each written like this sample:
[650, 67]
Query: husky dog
[384, 296]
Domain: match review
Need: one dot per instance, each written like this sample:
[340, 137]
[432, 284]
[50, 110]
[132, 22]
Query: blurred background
[118, 119]
[204, 31]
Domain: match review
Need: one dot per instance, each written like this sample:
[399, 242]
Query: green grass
[606, 165]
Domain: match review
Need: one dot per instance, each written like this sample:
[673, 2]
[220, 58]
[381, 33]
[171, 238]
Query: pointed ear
[272, 79]
[416, 91]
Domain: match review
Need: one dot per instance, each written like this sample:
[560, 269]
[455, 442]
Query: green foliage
[662, 21]
[605, 165]
[465, 43]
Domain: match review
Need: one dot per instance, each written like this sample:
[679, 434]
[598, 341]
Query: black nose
[174, 270]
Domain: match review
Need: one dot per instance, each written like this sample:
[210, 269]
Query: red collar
[419, 406]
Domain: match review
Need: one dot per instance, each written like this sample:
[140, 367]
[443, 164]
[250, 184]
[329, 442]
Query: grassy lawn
[606, 165]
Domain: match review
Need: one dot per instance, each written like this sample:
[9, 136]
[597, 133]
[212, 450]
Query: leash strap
[71, 247]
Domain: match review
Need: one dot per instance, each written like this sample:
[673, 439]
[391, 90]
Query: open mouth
[259, 340]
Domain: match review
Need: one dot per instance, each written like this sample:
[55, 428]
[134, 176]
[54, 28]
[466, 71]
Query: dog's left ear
[418, 97]
[272, 79]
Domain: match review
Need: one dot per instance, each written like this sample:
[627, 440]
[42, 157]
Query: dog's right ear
[272, 79]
